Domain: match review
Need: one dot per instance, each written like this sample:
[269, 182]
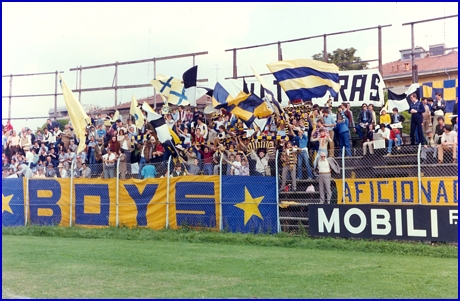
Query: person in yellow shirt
[384, 117]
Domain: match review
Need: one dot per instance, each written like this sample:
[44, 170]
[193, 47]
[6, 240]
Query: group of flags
[180, 92]
[300, 79]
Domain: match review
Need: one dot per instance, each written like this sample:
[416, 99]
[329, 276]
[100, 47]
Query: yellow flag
[163, 83]
[77, 114]
[174, 136]
[116, 115]
[136, 112]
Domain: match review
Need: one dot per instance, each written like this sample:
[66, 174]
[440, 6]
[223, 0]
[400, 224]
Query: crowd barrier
[218, 201]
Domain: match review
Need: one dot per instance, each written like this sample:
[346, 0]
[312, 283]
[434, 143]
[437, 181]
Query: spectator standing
[324, 166]
[416, 109]
[329, 124]
[439, 108]
[289, 162]
[109, 164]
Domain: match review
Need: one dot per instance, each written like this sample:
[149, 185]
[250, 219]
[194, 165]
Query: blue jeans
[303, 156]
[344, 140]
[399, 140]
[142, 163]
[207, 169]
[390, 144]
[92, 158]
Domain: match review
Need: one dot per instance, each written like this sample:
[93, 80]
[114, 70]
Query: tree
[345, 59]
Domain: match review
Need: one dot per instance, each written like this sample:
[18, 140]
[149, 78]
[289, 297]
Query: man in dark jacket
[416, 109]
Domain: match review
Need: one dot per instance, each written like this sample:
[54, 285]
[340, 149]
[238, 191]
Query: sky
[45, 37]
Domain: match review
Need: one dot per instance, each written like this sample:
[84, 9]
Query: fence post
[167, 193]
[343, 175]
[71, 190]
[221, 222]
[419, 173]
[26, 211]
[117, 189]
[277, 192]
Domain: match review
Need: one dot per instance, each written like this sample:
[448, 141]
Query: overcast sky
[45, 37]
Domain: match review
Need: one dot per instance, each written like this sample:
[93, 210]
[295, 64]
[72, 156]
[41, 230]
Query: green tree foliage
[345, 59]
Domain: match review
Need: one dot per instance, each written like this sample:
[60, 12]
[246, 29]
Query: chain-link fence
[82, 194]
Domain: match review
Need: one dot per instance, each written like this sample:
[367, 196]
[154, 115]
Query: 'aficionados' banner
[357, 87]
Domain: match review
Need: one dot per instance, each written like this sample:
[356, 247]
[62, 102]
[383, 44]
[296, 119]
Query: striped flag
[158, 123]
[269, 94]
[305, 79]
[401, 101]
[192, 92]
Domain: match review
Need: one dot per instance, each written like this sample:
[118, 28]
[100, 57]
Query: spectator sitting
[397, 118]
[448, 143]
[39, 174]
[62, 172]
[384, 117]
[50, 171]
[388, 136]
[397, 137]
[430, 146]
[368, 140]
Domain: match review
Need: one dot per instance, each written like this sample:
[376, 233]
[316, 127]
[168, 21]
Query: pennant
[305, 79]
[77, 114]
[136, 112]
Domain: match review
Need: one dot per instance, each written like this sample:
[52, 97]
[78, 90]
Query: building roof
[427, 64]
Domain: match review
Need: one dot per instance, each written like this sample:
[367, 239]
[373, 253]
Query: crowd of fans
[300, 136]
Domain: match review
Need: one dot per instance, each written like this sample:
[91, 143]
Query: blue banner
[249, 204]
[13, 202]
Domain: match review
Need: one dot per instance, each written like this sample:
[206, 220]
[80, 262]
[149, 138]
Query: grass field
[51, 262]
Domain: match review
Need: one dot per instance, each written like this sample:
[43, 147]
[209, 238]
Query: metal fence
[389, 169]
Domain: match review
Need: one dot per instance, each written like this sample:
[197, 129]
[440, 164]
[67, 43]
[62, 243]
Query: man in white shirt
[448, 143]
[203, 128]
[29, 156]
[109, 164]
[325, 165]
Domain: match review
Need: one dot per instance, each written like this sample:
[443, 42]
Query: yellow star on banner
[250, 206]
[6, 203]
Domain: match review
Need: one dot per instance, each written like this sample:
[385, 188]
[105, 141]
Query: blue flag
[12, 202]
[249, 204]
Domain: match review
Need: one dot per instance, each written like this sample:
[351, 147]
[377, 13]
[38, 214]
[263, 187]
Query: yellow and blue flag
[249, 204]
[245, 106]
[305, 79]
[177, 94]
[137, 113]
[448, 89]
[163, 83]
[13, 202]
